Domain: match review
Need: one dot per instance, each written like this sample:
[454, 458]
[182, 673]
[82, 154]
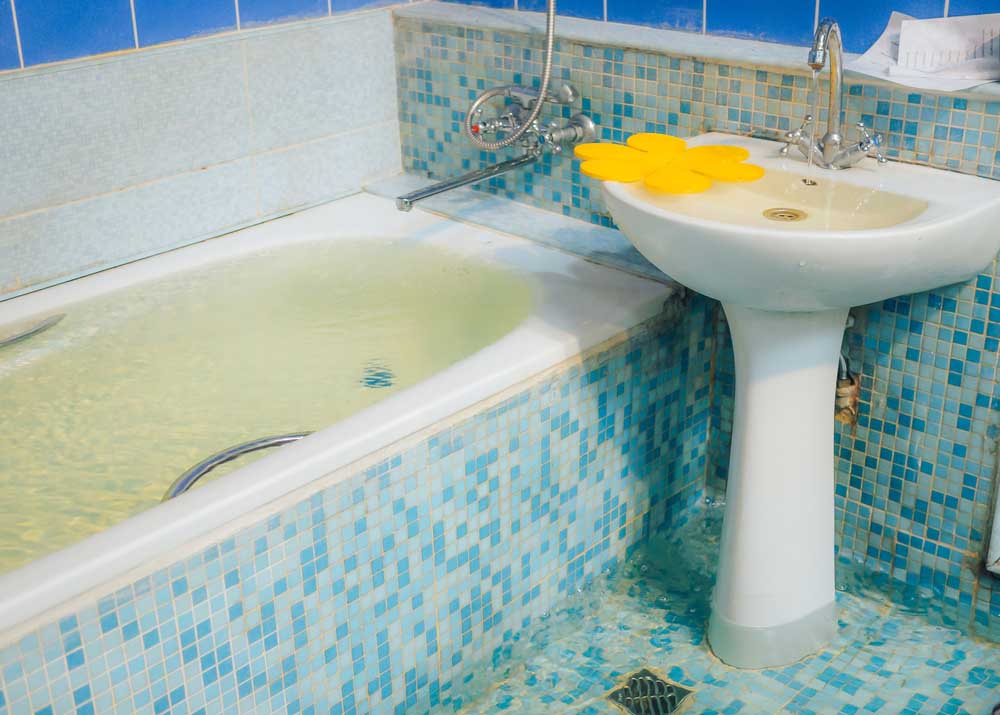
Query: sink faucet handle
[871, 141]
[794, 137]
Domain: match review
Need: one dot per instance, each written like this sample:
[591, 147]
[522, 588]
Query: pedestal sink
[787, 256]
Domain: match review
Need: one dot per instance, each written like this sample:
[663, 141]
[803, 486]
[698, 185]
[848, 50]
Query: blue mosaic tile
[626, 91]
[927, 363]
[651, 612]
[377, 593]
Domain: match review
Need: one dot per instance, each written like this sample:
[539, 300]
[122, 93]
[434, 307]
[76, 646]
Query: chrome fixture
[35, 329]
[517, 123]
[522, 126]
[831, 151]
[191, 476]
[405, 202]
[552, 138]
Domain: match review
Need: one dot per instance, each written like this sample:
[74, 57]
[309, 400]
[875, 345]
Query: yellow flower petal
[676, 180]
[715, 152]
[616, 169]
[659, 144]
[729, 170]
[597, 150]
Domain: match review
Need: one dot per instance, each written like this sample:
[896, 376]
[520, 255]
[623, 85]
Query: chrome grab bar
[33, 330]
[191, 476]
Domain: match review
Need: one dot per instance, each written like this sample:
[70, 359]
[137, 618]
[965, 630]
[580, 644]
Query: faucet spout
[405, 203]
[828, 49]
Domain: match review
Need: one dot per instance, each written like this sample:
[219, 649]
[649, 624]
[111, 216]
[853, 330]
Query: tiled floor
[888, 658]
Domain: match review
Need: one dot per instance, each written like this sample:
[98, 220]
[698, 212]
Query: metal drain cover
[645, 693]
[785, 214]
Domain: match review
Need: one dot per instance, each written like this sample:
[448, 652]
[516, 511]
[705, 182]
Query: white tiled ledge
[710, 48]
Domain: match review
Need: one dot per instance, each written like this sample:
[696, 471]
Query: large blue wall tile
[861, 29]
[348, 5]
[973, 7]
[165, 20]
[674, 14]
[591, 9]
[789, 22]
[489, 3]
[261, 12]
[54, 30]
[8, 41]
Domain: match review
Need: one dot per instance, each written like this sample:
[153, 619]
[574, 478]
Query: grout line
[236, 3]
[135, 26]
[17, 33]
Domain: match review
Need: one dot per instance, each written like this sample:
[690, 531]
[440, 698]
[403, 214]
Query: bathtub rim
[71, 577]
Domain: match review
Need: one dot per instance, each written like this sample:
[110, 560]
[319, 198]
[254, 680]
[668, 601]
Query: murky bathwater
[101, 413]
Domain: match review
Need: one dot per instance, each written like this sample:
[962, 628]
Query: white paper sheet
[945, 54]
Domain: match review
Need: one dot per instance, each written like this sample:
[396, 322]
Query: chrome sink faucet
[831, 151]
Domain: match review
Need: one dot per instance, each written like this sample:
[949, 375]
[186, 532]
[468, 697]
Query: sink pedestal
[774, 595]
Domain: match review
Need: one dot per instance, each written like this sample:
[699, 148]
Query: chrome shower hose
[550, 32]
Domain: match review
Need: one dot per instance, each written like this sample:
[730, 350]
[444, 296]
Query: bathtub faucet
[538, 140]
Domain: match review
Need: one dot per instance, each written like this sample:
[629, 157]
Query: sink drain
[645, 693]
[785, 214]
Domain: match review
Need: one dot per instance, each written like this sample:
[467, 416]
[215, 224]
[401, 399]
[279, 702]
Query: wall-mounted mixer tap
[517, 123]
[831, 151]
[519, 112]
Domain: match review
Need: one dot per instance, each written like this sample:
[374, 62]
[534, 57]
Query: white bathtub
[578, 305]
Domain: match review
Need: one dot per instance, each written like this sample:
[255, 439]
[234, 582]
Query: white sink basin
[870, 232]
[862, 234]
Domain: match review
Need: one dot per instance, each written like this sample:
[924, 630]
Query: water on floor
[889, 656]
[103, 411]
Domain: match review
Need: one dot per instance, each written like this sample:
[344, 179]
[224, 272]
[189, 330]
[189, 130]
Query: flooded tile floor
[888, 656]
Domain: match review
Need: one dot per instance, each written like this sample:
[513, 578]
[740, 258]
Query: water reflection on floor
[893, 653]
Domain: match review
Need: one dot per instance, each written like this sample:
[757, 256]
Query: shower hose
[550, 31]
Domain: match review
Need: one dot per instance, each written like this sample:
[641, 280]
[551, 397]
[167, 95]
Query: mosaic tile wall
[380, 593]
[443, 67]
[916, 475]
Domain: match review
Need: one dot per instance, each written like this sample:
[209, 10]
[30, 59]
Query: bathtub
[575, 305]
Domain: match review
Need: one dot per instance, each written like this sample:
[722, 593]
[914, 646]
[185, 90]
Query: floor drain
[785, 214]
[645, 693]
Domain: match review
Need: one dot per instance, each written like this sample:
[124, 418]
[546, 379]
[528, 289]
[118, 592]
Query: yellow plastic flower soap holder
[665, 164]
